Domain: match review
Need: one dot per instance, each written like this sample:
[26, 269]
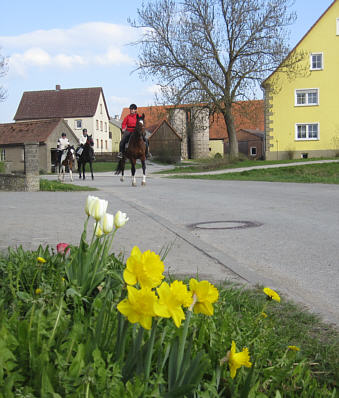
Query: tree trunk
[232, 136]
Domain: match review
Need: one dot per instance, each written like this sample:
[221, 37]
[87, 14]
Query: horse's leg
[91, 168]
[79, 169]
[83, 170]
[71, 173]
[63, 171]
[122, 169]
[134, 181]
[143, 164]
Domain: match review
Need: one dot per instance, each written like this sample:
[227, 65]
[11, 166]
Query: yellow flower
[263, 314]
[171, 299]
[41, 260]
[271, 294]
[238, 359]
[206, 294]
[38, 291]
[144, 268]
[139, 306]
[98, 231]
[294, 348]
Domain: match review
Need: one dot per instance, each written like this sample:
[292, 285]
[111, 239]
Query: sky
[87, 44]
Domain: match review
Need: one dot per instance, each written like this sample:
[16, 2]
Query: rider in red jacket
[128, 127]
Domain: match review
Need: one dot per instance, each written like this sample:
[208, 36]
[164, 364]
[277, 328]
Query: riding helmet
[133, 106]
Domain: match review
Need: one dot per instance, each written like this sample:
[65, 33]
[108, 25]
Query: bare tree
[3, 71]
[214, 52]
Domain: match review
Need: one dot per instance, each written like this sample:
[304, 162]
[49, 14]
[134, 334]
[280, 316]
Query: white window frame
[253, 153]
[306, 91]
[307, 138]
[322, 61]
[337, 26]
[78, 124]
[2, 154]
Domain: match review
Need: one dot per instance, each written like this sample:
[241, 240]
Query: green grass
[203, 165]
[47, 185]
[326, 173]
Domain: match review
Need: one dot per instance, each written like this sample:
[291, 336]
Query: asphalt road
[280, 235]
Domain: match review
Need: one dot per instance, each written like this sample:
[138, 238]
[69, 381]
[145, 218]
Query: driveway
[280, 235]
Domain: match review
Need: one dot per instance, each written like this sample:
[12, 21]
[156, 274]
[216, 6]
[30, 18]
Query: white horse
[67, 159]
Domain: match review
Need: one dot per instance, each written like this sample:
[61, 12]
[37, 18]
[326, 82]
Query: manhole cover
[231, 224]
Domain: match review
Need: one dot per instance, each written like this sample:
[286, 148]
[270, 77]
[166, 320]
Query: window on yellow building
[317, 61]
[337, 26]
[305, 131]
[307, 97]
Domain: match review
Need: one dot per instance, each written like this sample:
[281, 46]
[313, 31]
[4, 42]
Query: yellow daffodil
[144, 268]
[238, 359]
[38, 291]
[263, 314]
[171, 300]
[120, 219]
[139, 306]
[98, 231]
[206, 294]
[294, 348]
[41, 260]
[97, 208]
[107, 223]
[271, 294]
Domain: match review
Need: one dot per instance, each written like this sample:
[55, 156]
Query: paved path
[292, 247]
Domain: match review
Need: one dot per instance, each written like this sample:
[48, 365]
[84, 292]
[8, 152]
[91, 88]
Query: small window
[101, 108]
[306, 97]
[97, 122]
[306, 131]
[253, 151]
[101, 125]
[110, 135]
[2, 155]
[78, 124]
[317, 61]
[337, 26]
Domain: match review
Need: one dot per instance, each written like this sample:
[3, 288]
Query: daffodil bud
[120, 219]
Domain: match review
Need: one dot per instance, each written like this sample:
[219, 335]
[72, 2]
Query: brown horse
[67, 160]
[136, 150]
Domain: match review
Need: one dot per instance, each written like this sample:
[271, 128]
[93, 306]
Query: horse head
[140, 125]
[89, 141]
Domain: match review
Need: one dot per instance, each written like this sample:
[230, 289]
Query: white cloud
[93, 43]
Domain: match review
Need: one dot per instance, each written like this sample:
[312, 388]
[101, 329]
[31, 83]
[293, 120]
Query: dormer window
[78, 124]
[316, 61]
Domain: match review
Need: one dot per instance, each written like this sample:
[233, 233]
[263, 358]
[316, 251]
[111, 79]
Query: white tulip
[120, 219]
[107, 223]
[97, 208]
[89, 200]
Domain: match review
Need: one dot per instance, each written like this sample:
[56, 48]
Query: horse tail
[119, 168]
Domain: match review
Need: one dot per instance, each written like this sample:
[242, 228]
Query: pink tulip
[61, 248]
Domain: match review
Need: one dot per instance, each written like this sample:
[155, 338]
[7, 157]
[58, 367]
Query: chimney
[57, 87]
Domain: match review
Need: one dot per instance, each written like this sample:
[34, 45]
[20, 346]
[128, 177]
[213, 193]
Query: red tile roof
[246, 114]
[36, 131]
[75, 102]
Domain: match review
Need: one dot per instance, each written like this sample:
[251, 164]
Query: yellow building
[115, 133]
[302, 113]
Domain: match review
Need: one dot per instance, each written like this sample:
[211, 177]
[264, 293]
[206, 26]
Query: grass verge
[325, 173]
[47, 185]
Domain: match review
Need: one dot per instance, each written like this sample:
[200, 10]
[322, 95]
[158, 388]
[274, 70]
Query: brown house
[45, 132]
[251, 143]
[165, 143]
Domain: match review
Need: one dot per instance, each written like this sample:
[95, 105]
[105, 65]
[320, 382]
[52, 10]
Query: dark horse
[136, 150]
[67, 160]
[86, 156]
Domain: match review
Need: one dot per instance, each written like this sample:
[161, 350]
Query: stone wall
[29, 180]
[200, 133]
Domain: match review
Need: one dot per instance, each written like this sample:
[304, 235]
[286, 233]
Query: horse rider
[128, 127]
[62, 144]
[82, 142]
